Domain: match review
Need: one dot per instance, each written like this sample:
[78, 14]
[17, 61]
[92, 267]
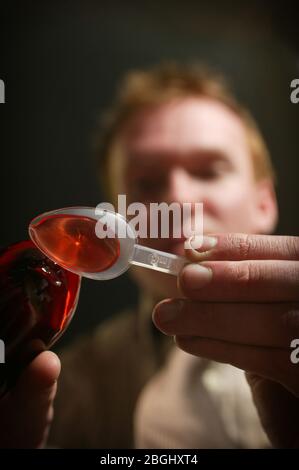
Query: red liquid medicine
[72, 242]
[37, 301]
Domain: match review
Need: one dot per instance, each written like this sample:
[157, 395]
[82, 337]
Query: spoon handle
[157, 260]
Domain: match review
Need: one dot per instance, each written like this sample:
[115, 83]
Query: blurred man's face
[192, 150]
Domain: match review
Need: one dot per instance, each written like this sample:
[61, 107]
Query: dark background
[61, 62]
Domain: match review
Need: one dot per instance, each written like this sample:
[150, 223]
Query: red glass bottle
[38, 299]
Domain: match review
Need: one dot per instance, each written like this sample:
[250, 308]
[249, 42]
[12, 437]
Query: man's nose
[181, 187]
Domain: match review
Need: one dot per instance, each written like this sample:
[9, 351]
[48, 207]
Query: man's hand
[241, 306]
[26, 412]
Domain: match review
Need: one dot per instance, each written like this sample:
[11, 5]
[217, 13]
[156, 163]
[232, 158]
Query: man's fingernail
[195, 276]
[167, 311]
[202, 244]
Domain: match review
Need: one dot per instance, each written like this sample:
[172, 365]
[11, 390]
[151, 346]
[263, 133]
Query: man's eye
[207, 173]
[146, 185]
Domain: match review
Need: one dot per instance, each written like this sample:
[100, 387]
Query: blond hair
[161, 84]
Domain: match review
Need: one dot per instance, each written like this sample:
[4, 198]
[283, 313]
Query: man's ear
[266, 206]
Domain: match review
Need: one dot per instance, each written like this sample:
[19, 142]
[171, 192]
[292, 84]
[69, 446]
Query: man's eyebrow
[208, 155]
[145, 156]
[190, 154]
[147, 161]
[141, 163]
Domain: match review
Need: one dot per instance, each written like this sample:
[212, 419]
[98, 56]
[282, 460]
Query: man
[176, 134]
